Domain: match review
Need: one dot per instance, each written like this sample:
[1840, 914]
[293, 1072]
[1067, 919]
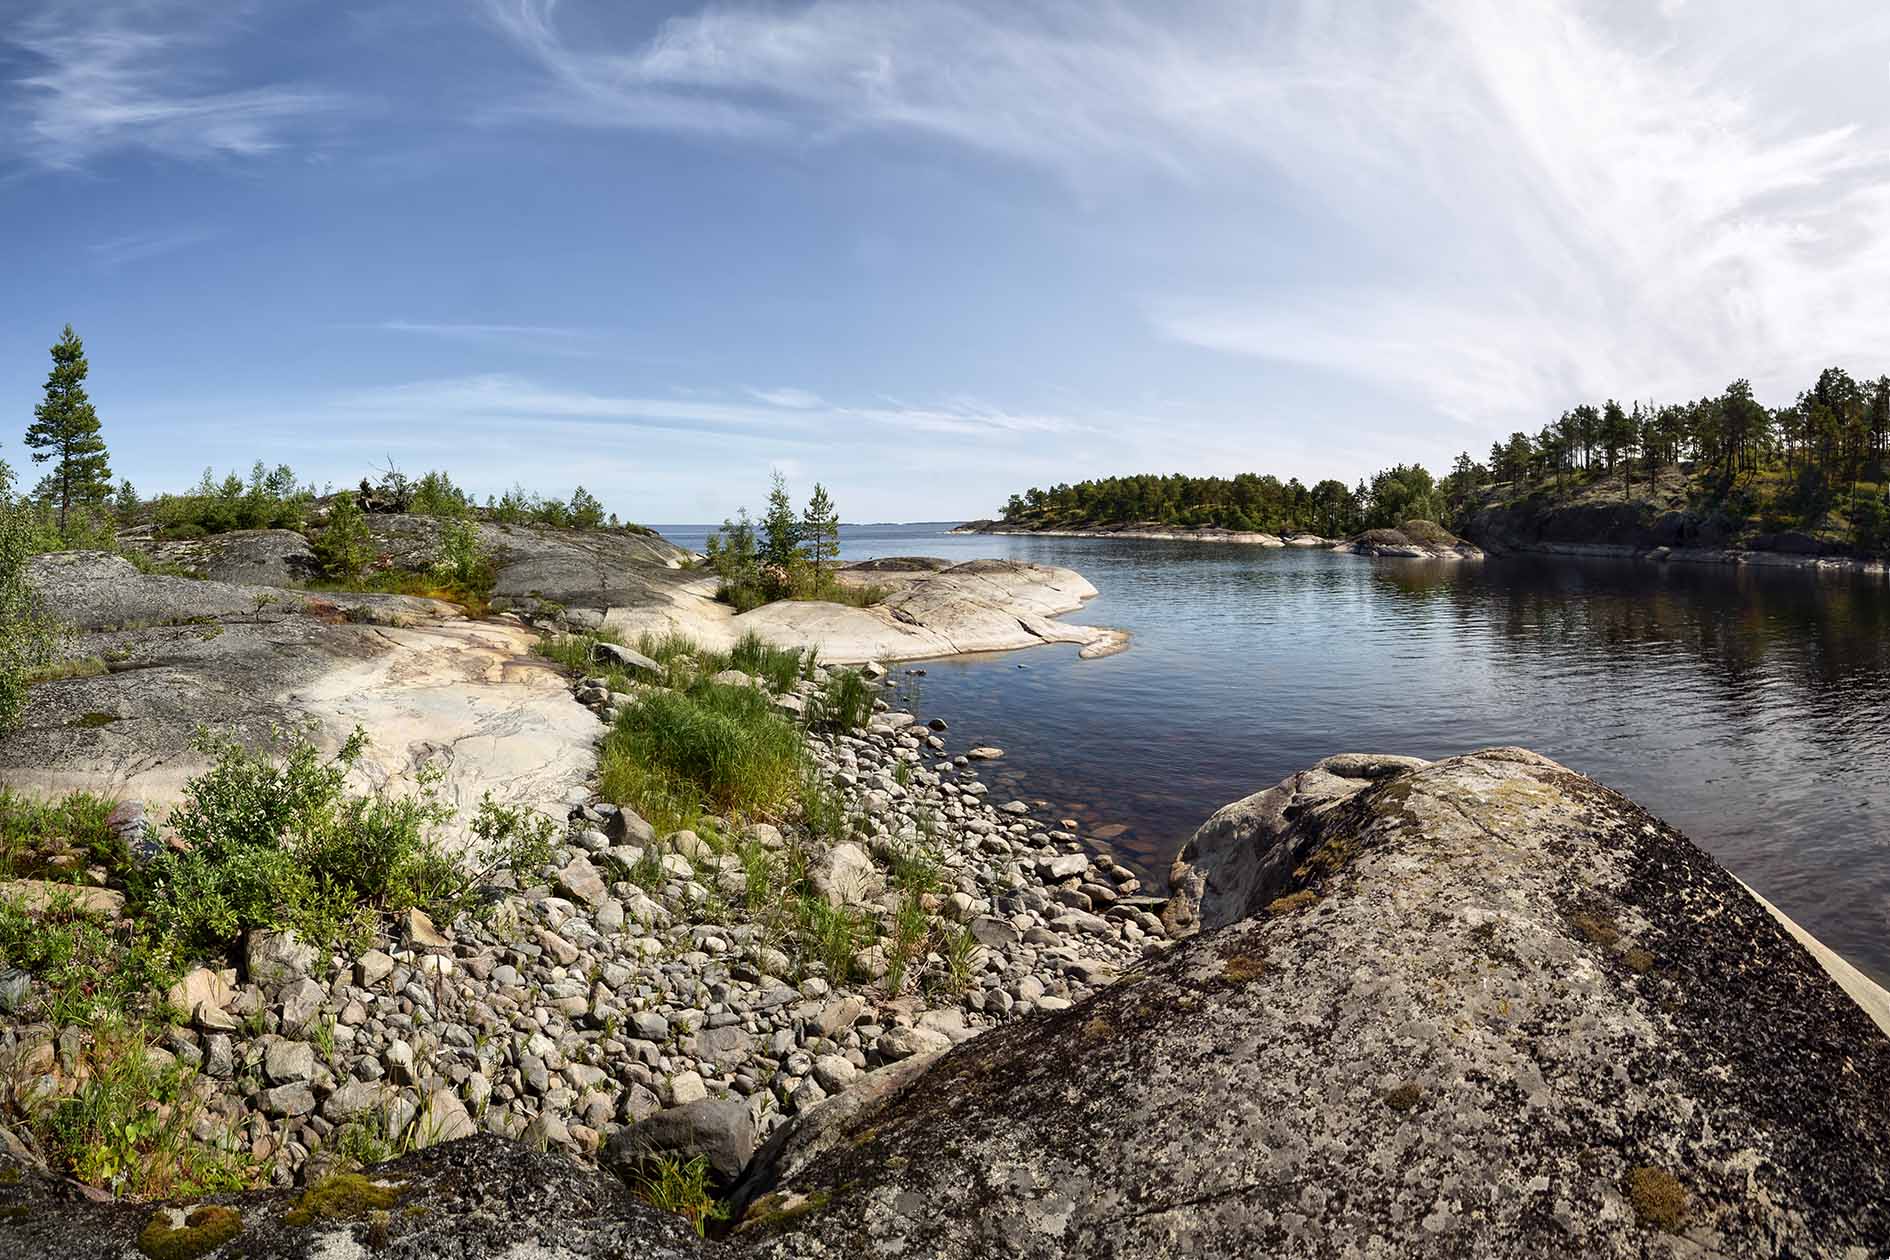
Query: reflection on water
[1749, 708]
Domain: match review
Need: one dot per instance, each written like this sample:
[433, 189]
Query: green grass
[672, 753]
[35, 836]
[670, 1183]
[846, 701]
[780, 668]
[830, 935]
[127, 1127]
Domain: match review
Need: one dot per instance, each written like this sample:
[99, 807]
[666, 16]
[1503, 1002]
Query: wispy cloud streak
[97, 78]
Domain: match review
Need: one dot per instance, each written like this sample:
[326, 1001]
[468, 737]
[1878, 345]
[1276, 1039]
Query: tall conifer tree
[65, 430]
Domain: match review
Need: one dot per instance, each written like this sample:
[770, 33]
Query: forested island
[1810, 476]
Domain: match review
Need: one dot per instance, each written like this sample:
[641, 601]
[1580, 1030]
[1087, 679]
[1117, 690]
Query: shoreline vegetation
[1723, 479]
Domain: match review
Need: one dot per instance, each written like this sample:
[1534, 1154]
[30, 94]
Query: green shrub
[268, 500]
[26, 631]
[345, 548]
[34, 833]
[464, 563]
[88, 969]
[279, 841]
[436, 495]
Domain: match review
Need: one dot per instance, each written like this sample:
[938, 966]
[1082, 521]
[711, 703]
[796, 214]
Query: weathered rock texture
[1492, 1009]
[480, 1199]
[177, 656]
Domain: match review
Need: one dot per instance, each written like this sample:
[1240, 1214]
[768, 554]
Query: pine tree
[65, 429]
[780, 528]
[820, 527]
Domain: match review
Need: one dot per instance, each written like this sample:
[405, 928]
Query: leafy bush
[436, 495]
[280, 842]
[464, 562]
[345, 548]
[26, 631]
[32, 833]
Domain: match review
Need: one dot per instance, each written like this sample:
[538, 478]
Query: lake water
[1751, 709]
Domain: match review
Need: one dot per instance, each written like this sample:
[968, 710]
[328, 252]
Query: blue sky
[927, 252]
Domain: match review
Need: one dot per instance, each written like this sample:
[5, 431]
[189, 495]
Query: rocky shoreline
[1415, 540]
[627, 982]
[1479, 1007]
[1736, 557]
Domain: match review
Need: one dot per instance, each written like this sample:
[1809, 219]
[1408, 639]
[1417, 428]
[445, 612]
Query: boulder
[844, 875]
[443, 1119]
[722, 1130]
[1239, 843]
[272, 959]
[580, 881]
[1492, 1010]
[617, 656]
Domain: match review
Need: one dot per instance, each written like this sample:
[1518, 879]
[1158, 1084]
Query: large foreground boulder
[1491, 1009]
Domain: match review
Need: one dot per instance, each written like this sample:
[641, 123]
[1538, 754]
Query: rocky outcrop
[1493, 1010]
[1644, 530]
[1413, 540]
[932, 609]
[156, 659]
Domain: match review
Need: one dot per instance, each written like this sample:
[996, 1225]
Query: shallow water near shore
[1749, 708]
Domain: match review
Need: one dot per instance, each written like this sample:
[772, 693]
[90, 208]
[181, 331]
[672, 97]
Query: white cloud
[102, 77]
[137, 246]
[788, 396]
[507, 398]
[1514, 204]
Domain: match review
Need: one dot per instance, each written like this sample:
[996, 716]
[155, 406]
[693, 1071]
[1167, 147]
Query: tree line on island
[1817, 465]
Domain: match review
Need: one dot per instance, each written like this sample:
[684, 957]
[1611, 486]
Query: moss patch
[1658, 1197]
[92, 721]
[1638, 961]
[1292, 901]
[777, 1210]
[1242, 969]
[1596, 929]
[342, 1197]
[1404, 1098]
[203, 1231]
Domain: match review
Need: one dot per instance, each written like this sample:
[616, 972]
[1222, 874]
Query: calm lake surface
[1750, 709]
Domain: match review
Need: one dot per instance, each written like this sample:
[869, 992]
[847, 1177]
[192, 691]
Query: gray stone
[272, 958]
[301, 1003]
[353, 1100]
[581, 882]
[617, 656]
[289, 1100]
[442, 1119]
[286, 1062]
[722, 1130]
[371, 968]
